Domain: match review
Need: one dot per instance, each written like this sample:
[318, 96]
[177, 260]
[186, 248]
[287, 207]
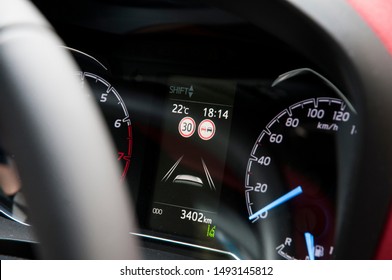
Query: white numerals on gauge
[291, 172]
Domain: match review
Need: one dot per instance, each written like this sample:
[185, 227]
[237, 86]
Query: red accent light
[378, 15]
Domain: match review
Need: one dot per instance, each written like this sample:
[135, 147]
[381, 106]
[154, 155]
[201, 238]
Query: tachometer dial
[291, 176]
[12, 203]
[115, 112]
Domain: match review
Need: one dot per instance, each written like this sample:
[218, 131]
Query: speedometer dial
[291, 176]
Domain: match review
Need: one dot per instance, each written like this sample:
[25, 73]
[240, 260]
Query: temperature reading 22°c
[180, 109]
[291, 177]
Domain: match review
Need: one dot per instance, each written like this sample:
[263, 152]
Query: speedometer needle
[291, 194]
[310, 245]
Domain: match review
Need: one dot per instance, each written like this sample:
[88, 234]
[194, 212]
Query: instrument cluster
[230, 168]
[228, 152]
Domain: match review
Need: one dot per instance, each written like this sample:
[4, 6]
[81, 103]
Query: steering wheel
[80, 209]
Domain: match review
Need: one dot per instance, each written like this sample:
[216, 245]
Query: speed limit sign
[187, 127]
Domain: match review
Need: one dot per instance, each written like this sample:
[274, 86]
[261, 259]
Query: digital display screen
[196, 129]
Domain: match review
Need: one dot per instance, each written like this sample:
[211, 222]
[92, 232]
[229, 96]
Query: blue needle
[310, 245]
[291, 194]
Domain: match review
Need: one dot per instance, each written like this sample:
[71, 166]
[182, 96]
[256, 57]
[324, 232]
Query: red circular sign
[187, 127]
[206, 129]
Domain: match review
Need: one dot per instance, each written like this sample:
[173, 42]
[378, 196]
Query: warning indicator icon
[206, 129]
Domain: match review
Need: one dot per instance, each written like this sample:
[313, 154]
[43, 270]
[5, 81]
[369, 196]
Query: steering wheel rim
[67, 157]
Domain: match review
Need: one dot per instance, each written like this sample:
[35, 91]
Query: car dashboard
[232, 142]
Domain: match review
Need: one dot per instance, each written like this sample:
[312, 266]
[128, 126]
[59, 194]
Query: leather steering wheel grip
[79, 207]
